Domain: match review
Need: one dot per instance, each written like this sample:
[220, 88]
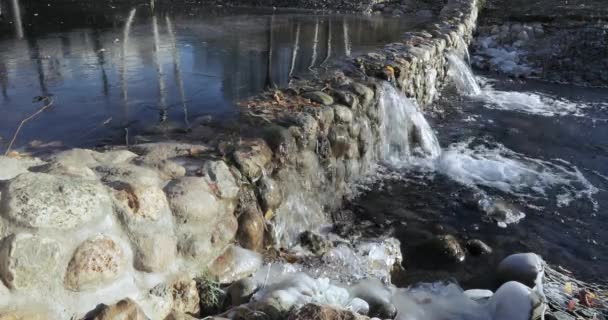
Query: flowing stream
[522, 168]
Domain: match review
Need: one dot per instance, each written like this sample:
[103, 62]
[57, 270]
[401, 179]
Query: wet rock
[96, 262]
[339, 139]
[251, 229]
[12, 167]
[39, 200]
[443, 249]
[366, 93]
[343, 114]
[253, 158]
[325, 118]
[477, 247]
[270, 193]
[521, 267]
[192, 199]
[314, 242]
[154, 250]
[359, 306]
[27, 260]
[512, 301]
[347, 98]
[234, 264]
[241, 291]
[319, 97]
[282, 143]
[377, 296]
[218, 174]
[123, 309]
[319, 312]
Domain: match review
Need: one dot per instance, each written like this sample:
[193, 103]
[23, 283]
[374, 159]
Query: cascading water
[463, 77]
[527, 102]
[405, 132]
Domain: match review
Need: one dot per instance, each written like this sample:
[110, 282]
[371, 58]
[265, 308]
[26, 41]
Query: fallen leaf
[269, 214]
[571, 304]
[568, 288]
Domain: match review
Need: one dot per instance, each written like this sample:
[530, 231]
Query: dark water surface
[170, 66]
[415, 206]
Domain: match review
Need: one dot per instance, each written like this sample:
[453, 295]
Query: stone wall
[83, 227]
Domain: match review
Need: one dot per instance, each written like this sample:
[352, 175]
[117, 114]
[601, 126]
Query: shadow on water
[117, 71]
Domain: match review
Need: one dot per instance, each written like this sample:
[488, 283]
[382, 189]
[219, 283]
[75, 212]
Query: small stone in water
[477, 247]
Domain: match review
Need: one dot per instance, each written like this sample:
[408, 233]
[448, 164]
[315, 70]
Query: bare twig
[48, 102]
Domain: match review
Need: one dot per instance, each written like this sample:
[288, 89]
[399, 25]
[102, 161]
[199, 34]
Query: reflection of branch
[294, 54]
[269, 82]
[314, 46]
[328, 43]
[347, 44]
[48, 103]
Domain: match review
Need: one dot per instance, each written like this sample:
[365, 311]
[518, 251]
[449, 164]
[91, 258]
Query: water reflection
[107, 68]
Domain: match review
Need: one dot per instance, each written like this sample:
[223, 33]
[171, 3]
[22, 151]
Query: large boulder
[95, 263]
[28, 260]
[39, 200]
[522, 267]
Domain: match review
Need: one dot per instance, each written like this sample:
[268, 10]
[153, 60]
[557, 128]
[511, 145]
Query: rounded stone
[477, 247]
[96, 262]
[251, 229]
[39, 200]
[28, 260]
[521, 267]
[193, 200]
[343, 114]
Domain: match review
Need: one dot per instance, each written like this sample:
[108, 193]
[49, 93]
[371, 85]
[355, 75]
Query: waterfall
[405, 132]
[463, 77]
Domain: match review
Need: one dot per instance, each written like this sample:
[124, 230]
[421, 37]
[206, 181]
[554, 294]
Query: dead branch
[48, 102]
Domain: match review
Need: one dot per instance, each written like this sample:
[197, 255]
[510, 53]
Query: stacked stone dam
[83, 227]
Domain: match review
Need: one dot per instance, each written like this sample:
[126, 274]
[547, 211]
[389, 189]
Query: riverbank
[140, 211]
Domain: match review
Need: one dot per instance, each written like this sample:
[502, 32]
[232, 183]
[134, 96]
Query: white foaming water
[463, 77]
[515, 174]
[405, 132]
[527, 102]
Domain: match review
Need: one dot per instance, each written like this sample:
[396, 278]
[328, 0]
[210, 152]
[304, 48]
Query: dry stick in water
[48, 103]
